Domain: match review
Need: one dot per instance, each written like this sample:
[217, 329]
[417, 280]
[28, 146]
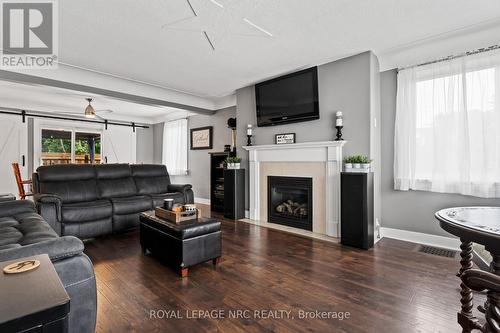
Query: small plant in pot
[233, 162]
[358, 162]
[365, 162]
[348, 162]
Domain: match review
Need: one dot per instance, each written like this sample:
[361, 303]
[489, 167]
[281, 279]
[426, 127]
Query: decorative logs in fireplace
[292, 208]
[289, 201]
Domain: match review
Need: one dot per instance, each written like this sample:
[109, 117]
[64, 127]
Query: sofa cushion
[115, 180]
[24, 229]
[150, 178]
[131, 205]
[72, 182]
[86, 211]
[158, 198]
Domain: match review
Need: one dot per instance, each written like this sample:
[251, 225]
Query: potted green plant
[365, 162]
[357, 163]
[233, 162]
[348, 162]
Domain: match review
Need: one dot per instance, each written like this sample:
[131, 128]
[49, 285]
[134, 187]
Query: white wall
[199, 160]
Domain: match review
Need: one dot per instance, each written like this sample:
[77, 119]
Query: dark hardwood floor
[390, 288]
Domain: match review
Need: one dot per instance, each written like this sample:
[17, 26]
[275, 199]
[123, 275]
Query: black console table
[479, 225]
[33, 301]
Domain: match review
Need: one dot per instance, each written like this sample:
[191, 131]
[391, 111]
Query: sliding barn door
[119, 145]
[13, 148]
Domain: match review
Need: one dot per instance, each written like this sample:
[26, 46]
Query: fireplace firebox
[289, 201]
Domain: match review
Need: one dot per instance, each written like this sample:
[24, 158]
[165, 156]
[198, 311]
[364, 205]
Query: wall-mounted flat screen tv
[287, 99]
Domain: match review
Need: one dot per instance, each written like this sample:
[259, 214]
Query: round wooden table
[479, 225]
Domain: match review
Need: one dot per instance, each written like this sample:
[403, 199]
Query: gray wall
[410, 210]
[344, 85]
[157, 143]
[144, 148]
[199, 160]
[349, 85]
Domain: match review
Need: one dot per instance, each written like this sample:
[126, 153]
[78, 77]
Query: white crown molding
[433, 47]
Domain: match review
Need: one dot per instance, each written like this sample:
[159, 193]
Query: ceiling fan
[89, 111]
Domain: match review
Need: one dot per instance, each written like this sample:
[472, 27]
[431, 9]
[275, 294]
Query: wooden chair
[21, 183]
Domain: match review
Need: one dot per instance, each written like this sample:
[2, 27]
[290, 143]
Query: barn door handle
[23, 159]
[106, 159]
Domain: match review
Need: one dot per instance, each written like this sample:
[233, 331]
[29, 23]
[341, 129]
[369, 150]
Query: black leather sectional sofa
[24, 233]
[92, 200]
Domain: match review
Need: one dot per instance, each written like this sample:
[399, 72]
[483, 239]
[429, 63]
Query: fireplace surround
[289, 201]
[322, 161]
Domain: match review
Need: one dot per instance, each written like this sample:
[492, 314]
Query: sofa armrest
[47, 198]
[179, 187]
[10, 208]
[49, 206]
[185, 189]
[57, 249]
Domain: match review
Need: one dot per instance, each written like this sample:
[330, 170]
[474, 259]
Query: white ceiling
[145, 41]
[70, 103]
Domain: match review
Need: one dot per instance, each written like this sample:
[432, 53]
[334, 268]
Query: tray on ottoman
[183, 244]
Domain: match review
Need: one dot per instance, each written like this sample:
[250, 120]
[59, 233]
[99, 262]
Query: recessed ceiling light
[216, 3]
[257, 27]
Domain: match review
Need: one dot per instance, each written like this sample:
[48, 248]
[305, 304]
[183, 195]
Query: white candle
[338, 122]
[249, 129]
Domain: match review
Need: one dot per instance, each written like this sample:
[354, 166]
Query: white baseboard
[421, 238]
[202, 201]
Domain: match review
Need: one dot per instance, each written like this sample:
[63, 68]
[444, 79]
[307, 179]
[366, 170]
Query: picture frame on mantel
[284, 138]
[201, 138]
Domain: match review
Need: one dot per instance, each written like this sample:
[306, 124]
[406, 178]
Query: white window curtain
[447, 130]
[175, 147]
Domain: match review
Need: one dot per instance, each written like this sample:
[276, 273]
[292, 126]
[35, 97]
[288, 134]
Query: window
[447, 136]
[175, 147]
[87, 148]
[61, 146]
[56, 147]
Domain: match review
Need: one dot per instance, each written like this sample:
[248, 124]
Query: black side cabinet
[234, 193]
[357, 210]
[217, 181]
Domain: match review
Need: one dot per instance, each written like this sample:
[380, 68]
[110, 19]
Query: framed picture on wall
[201, 138]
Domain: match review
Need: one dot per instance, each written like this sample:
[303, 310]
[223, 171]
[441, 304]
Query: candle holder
[339, 133]
[249, 140]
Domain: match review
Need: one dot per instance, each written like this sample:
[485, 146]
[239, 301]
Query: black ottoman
[182, 245]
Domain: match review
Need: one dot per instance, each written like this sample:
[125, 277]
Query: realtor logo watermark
[29, 34]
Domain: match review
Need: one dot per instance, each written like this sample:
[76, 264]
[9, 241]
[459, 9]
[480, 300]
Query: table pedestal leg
[465, 317]
[492, 306]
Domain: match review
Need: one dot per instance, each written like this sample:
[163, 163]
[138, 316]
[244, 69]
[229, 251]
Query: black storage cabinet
[217, 181]
[357, 210]
[234, 193]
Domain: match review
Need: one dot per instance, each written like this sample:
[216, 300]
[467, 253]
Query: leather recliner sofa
[92, 200]
[24, 233]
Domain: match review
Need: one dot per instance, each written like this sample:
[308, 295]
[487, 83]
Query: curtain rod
[24, 114]
[456, 56]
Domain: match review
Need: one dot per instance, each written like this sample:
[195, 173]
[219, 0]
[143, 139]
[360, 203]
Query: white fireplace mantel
[329, 152]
